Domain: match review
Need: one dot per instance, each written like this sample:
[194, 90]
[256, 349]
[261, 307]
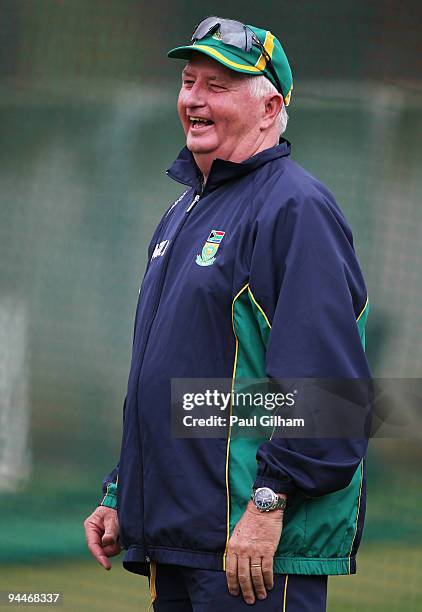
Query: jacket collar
[184, 169]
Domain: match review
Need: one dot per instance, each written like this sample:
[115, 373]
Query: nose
[194, 97]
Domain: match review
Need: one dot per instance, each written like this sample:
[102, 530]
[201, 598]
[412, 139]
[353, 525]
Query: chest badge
[210, 248]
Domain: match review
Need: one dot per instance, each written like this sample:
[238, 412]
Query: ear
[272, 107]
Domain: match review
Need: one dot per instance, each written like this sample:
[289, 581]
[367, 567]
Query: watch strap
[280, 504]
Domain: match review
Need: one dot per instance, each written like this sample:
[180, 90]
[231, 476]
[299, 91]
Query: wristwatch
[266, 500]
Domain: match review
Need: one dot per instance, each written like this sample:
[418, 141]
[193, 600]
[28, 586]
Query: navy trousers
[184, 589]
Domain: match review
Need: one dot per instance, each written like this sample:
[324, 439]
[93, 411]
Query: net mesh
[88, 126]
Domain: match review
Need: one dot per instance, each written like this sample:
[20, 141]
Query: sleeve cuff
[278, 486]
[274, 479]
[110, 497]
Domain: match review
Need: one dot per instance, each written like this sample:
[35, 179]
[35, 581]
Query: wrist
[278, 512]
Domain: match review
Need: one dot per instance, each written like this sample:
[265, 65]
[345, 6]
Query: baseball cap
[242, 48]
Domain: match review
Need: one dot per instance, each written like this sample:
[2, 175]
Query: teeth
[198, 119]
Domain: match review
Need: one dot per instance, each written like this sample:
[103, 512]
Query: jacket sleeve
[307, 280]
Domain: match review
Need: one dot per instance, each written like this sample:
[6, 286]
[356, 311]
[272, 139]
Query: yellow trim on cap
[269, 48]
[226, 61]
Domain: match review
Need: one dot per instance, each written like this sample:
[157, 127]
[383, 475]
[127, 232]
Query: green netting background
[87, 128]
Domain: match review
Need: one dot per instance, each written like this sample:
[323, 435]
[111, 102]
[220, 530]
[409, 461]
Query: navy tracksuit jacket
[253, 275]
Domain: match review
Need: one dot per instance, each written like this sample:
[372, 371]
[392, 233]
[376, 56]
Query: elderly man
[251, 273]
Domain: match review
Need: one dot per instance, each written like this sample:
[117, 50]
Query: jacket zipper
[192, 204]
[157, 302]
[140, 359]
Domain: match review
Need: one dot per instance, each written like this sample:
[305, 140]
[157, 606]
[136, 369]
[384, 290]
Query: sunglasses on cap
[238, 35]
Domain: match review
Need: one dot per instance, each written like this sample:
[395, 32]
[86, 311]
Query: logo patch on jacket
[160, 249]
[210, 248]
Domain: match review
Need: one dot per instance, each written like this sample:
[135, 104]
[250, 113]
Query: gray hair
[260, 86]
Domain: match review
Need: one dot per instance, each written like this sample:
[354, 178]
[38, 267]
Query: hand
[254, 541]
[102, 535]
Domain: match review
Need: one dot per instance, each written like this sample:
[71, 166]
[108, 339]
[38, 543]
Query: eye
[188, 82]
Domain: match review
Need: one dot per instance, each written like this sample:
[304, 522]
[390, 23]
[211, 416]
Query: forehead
[202, 64]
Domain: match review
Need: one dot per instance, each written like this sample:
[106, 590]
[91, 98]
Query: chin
[198, 147]
[205, 143]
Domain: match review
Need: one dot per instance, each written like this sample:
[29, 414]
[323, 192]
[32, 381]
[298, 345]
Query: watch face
[264, 498]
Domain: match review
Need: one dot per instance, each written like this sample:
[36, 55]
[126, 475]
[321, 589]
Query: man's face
[222, 97]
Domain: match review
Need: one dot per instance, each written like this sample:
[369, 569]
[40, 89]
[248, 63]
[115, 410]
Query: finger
[98, 554]
[267, 572]
[112, 550]
[231, 574]
[93, 533]
[245, 581]
[257, 577]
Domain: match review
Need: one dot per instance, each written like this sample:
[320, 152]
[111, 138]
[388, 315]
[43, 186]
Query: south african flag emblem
[210, 248]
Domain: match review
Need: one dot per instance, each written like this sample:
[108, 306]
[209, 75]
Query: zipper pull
[192, 204]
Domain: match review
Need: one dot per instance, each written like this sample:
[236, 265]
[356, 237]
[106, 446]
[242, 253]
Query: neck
[204, 160]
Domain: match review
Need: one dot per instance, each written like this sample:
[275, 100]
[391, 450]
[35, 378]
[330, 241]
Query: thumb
[108, 538]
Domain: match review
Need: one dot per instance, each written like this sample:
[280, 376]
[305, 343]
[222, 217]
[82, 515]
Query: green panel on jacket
[318, 533]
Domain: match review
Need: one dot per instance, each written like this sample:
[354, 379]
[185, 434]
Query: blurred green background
[87, 128]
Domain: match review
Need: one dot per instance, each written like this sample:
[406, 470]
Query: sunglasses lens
[204, 27]
[234, 33]
[231, 32]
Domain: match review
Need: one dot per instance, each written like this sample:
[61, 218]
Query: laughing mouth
[199, 122]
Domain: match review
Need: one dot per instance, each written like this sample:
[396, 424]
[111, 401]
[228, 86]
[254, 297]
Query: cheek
[249, 112]
[179, 104]
[236, 124]
[181, 100]
[182, 112]
[238, 118]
